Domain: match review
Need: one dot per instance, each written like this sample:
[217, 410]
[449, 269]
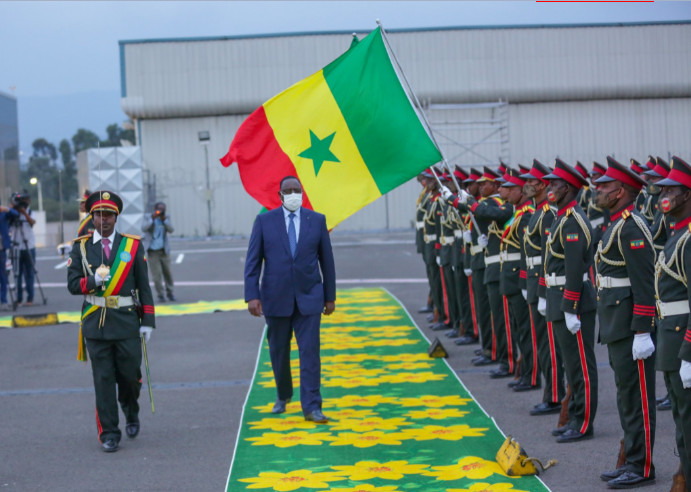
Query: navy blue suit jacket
[287, 280]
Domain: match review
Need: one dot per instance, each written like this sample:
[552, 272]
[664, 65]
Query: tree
[116, 135]
[43, 148]
[70, 186]
[84, 139]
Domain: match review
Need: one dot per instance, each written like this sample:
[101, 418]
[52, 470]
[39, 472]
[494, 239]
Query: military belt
[603, 282]
[533, 261]
[428, 238]
[673, 308]
[506, 256]
[419, 225]
[458, 233]
[490, 260]
[554, 280]
[476, 249]
[109, 301]
[597, 222]
[446, 240]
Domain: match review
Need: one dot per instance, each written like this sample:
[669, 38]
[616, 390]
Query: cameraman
[156, 229]
[24, 241]
[7, 216]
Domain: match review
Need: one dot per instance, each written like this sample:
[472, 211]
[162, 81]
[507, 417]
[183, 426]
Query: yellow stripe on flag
[340, 188]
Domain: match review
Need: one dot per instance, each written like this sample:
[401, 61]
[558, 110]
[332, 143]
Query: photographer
[24, 241]
[156, 229]
[7, 216]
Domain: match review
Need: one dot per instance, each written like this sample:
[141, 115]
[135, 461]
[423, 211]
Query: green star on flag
[319, 151]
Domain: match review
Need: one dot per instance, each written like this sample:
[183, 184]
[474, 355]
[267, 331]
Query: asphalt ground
[201, 366]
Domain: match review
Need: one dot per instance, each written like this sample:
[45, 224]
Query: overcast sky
[54, 48]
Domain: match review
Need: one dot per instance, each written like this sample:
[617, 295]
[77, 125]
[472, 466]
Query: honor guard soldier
[639, 170]
[571, 299]
[599, 218]
[86, 225]
[108, 269]
[673, 292]
[660, 226]
[513, 284]
[487, 212]
[625, 260]
[585, 194]
[420, 205]
[432, 246]
[445, 258]
[534, 240]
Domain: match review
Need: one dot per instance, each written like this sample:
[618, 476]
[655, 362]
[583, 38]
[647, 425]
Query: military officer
[432, 245]
[420, 205]
[570, 305]
[674, 293]
[447, 216]
[107, 268]
[625, 261]
[513, 284]
[659, 221]
[86, 224]
[534, 240]
[599, 218]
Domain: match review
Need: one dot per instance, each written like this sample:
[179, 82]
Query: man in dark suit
[106, 267]
[292, 244]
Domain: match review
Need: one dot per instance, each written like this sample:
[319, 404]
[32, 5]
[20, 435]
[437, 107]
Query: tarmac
[202, 365]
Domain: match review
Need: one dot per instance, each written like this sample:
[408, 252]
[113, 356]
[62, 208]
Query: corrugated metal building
[573, 91]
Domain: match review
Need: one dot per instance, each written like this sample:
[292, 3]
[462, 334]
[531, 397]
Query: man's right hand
[255, 307]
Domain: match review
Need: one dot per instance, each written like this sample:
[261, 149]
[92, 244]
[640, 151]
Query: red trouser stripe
[507, 324]
[533, 338]
[472, 305]
[446, 298]
[553, 358]
[98, 425]
[646, 417]
[494, 339]
[586, 380]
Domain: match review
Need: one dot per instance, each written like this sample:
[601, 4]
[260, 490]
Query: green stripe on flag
[387, 131]
[400, 421]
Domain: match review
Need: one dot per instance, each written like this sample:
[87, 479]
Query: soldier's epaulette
[569, 211]
[625, 214]
[132, 236]
[689, 227]
[545, 207]
[81, 238]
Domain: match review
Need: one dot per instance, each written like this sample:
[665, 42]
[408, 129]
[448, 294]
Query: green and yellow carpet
[400, 421]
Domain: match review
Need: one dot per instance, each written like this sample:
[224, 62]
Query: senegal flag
[349, 133]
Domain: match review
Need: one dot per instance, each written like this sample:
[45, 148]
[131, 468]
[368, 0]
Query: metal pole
[208, 189]
[40, 196]
[62, 220]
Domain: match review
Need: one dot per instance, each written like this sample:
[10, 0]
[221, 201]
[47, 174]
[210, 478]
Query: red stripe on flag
[261, 161]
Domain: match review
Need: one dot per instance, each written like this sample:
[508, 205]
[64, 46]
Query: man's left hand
[329, 307]
[145, 332]
[685, 373]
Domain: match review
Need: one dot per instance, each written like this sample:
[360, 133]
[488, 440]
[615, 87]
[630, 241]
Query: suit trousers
[482, 311]
[549, 357]
[635, 383]
[280, 333]
[115, 363]
[581, 370]
[681, 412]
[159, 264]
[465, 311]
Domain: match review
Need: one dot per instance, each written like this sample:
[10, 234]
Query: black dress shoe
[161, 299]
[430, 318]
[572, 435]
[612, 474]
[467, 340]
[110, 446]
[514, 383]
[546, 408]
[483, 361]
[522, 386]
[629, 480]
[439, 326]
[317, 417]
[280, 406]
[132, 430]
[560, 430]
[500, 373]
[662, 398]
[425, 309]
[477, 351]
[452, 333]
[665, 404]
[171, 297]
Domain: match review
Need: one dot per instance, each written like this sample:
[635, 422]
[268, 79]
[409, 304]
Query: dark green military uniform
[112, 333]
[420, 221]
[431, 240]
[446, 252]
[462, 283]
[569, 290]
[624, 261]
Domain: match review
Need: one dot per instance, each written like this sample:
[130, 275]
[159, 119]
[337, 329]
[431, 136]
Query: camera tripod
[15, 257]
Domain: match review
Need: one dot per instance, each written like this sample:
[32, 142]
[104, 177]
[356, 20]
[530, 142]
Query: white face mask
[293, 201]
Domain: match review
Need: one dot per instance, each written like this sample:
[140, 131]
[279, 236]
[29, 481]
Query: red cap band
[568, 177]
[615, 173]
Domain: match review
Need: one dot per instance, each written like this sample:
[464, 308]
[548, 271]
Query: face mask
[602, 199]
[551, 196]
[293, 201]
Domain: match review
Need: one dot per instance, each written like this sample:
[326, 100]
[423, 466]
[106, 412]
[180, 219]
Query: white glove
[572, 322]
[99, 280]
[468, 272]
[463, 196]
[524, 293]
[542, 306]
[145, 332]
[438, 261]
[467, 237]
[482, 241]
[685, 374]
[643, 346]
[445, 193]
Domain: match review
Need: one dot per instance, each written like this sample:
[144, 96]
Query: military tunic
[462, 283]
[549, 356]
[569, 290]
[626, 305]
[674, 331]
[112, 338]
[431, 247]
[446, 253]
